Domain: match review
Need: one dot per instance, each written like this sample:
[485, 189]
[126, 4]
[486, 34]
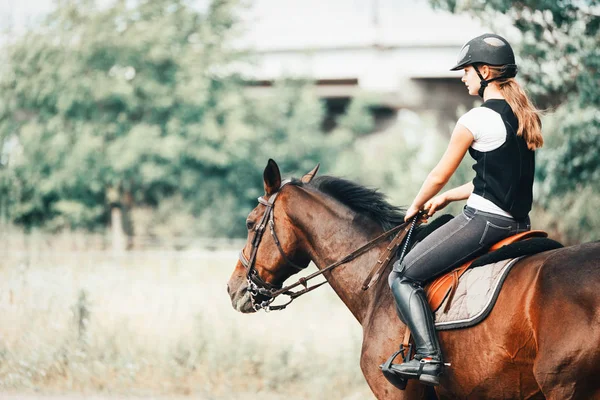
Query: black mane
[364, 201]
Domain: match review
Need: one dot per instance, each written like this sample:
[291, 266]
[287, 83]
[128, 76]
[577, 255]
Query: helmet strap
[484, 83]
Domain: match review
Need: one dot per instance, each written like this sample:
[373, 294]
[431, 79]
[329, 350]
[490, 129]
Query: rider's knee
[400, 278]
[392, 277]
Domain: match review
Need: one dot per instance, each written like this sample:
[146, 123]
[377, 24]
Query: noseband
[258, 287]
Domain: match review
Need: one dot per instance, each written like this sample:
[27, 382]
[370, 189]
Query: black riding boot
[411, 303]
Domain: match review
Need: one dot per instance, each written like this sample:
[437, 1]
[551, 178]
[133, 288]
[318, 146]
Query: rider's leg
[411, 303]
[462, 238]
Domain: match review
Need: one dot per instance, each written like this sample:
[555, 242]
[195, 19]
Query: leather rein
[258, 287]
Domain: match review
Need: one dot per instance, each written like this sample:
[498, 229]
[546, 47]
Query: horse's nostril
[228, 289]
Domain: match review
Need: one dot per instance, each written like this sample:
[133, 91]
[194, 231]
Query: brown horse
[541, 340]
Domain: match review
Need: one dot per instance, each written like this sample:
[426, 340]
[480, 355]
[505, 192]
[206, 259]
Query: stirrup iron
[398, 381]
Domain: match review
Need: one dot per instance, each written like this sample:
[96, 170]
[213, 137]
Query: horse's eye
[249, 225]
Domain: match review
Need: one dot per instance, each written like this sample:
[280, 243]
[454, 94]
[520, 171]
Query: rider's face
[471, 80]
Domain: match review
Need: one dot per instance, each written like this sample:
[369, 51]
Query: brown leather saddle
[445, 286]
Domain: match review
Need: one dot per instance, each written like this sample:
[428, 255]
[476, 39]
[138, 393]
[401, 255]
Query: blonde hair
[530, 125]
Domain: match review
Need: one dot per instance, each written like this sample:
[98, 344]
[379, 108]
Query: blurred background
[133, 135]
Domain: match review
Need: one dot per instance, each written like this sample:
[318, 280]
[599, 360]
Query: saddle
[445, 286]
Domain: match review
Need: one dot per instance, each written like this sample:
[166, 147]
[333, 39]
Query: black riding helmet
[487, 49]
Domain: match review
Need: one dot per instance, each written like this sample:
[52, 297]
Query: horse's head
[273, 251]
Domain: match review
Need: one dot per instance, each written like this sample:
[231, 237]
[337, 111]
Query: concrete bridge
[400, 50]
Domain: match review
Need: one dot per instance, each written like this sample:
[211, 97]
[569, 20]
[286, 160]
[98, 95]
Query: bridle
[259, 287]
[256, 285]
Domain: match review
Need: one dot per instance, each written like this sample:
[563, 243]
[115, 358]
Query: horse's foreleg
[381, 388]
[375, 350]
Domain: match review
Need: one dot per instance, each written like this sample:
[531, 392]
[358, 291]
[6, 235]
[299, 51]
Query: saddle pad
[475, 296]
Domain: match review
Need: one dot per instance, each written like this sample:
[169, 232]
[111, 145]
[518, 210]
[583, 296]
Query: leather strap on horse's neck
[384, 259]
[363, 249]
[271, 292]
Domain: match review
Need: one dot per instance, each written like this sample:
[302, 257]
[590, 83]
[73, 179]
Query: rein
[258, 287]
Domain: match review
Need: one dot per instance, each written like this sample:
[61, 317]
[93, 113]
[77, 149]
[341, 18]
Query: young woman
[501, 136]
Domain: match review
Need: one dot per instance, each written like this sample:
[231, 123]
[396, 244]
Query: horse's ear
[309, 177]
[271, 177]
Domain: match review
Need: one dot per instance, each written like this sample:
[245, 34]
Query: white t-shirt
[487, 128]
[489, 133]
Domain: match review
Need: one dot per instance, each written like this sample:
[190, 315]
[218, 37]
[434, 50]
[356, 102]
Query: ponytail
[530, 125]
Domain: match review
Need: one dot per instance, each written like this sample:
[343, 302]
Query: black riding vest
[504, 175]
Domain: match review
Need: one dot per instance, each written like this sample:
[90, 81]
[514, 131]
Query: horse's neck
[331, 239]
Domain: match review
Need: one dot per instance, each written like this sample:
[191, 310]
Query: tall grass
[160, 323]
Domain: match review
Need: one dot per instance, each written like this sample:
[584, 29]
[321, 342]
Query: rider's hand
[411, 212]
[436, 203]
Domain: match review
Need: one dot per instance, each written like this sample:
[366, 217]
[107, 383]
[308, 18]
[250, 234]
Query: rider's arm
[459, 144]
[440, 201]
[459, 193]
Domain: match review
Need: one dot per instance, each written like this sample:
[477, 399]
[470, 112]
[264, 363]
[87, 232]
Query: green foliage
[142, 98]
[359, 119]
[396, 160]
[570, 161]
[572, 218]
[559, 58]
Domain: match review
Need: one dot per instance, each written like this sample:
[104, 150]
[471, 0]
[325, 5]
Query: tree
[143, 103]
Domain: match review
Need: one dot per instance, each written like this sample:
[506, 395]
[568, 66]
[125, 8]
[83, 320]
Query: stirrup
[425, 378]
[394, 378]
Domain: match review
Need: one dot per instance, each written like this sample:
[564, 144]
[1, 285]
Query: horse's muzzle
[240, 299]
